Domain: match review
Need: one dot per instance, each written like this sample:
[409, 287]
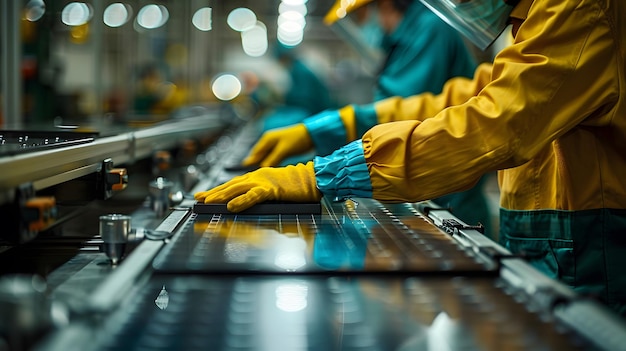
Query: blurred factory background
[109, 60]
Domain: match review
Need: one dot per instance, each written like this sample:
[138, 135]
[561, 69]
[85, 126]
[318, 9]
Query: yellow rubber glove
[278, 144]
[291, 183]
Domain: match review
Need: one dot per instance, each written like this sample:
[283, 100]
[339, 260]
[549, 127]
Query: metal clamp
[110, 179]
[452, 226]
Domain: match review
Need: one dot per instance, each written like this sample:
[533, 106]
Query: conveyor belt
[355, 236]
[331, 313]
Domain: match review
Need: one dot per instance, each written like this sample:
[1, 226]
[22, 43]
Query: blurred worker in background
[154, 95]
[307, 93]
[550, 114]
[307, 90]
[422, 53]
[259, 90]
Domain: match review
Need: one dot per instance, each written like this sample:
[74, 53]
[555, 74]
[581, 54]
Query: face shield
[480, 21]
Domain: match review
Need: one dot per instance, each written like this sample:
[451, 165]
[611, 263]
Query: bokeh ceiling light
[290, 34]
[291, 16]
[301, 8]
[76, 13]
[290, 31]
[254, 40]
[117, 14]
[35, 9]
[202, 19]
[226, 87]
[152, 16]
[241, 19]
[294, 2]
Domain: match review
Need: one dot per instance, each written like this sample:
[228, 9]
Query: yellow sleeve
[356, 120]
[455, 92]
[559, 75]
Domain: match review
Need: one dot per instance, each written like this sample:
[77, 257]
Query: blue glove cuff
[327, 131]
[343, 173]
[365, 116]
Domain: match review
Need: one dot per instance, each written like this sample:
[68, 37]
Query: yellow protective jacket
[550, 114]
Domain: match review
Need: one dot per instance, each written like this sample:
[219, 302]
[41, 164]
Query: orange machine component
[162, 160]
[117, 179]
[41, 212]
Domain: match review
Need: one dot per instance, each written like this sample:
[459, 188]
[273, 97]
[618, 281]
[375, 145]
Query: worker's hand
[291, 183]
[277, 144]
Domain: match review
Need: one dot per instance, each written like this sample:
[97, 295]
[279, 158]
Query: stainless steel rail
[50, 167]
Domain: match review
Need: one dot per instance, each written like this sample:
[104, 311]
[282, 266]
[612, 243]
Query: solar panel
[357, 235]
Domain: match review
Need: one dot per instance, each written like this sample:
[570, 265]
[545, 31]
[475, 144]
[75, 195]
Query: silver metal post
[10, 80]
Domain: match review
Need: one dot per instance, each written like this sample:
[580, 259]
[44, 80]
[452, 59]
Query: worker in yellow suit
[422, 53]
[549, 115]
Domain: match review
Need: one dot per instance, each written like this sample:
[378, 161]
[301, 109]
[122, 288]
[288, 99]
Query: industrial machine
[129, 261]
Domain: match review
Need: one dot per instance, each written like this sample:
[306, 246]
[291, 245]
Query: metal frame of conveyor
[586, 316]
[51, 167]
[27, 173]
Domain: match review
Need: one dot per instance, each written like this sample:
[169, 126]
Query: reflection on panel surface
[360, 235]
[331, 313]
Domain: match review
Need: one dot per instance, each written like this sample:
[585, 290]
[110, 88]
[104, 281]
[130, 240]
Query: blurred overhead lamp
[301, 8]
[76, 13]
[202, 19]
[290, 30]
[226, 87]
[291, 16]
[152, 16]
[241, 19]
[117, 14]
[34, 10]
[294, 2]
[290, 34]
[254, 40]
